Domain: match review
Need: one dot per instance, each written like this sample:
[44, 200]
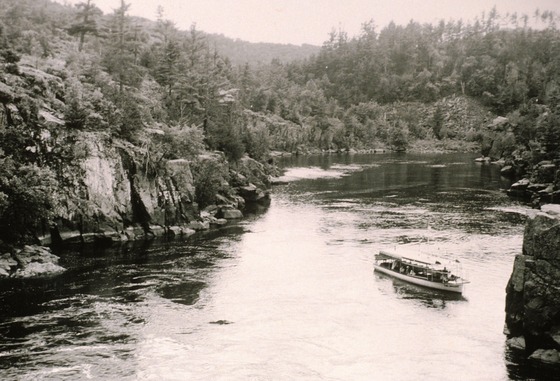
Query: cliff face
[112, 196]
[107, 188]
[532, 294]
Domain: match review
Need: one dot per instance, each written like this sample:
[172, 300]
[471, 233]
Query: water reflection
[95, 310]
[424, 296]
[289, 292]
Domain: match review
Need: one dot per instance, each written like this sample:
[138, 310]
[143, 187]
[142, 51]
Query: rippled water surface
[289, 293]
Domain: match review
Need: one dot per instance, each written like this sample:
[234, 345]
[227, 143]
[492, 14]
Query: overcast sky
[310, 21]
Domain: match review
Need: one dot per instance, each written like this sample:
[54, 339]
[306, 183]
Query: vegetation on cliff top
[66, 71]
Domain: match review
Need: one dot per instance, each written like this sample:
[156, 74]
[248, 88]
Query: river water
[289, 293]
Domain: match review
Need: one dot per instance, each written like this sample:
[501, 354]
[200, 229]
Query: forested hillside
[67, 73]
[240, 52]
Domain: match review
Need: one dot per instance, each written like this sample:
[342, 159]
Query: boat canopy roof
[413, 256]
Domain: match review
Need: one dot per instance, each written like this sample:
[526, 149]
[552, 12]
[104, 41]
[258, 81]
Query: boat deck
[423, 272]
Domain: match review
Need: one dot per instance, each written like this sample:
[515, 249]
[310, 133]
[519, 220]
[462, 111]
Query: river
[289, 292]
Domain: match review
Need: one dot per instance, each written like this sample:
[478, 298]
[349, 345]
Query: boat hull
[449, 287]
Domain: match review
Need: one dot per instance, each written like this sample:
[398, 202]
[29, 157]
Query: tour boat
[420, 269]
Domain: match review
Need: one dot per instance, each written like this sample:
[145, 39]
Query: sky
[310, 21]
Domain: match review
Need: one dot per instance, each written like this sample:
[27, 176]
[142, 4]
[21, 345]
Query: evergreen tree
[87, 23]
[120, 56]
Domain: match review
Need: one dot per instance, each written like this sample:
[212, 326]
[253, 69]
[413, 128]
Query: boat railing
[433, 272]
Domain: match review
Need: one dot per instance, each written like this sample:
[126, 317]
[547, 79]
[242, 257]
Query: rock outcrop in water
[533, 297]
[30, 261]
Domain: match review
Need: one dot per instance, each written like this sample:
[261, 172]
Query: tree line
[66, 71]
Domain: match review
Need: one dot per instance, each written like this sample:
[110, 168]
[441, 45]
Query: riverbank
[33, 261]
[111, 199]
[418, 146]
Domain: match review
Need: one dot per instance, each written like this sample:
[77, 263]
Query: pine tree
[87, 23]
[121, 54]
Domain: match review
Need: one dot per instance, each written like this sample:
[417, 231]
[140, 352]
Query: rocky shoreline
[537, 192]
[540, 188]
[32, 261]
[110, 197]
[532, 297]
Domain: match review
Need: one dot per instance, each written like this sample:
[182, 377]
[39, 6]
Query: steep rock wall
[533, 291]
[112, 197]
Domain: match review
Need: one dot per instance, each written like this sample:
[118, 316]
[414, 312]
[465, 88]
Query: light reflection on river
[289, 293]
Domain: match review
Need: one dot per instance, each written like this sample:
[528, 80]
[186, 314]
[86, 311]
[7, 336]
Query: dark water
[289, 293]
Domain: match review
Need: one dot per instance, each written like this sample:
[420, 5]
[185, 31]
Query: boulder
[536, 187]
[230, 213]
[519, 189]
[521, 184]
[33, 261]
[174, 231]
[547, 356]
[89, 237]
[507, 170]
[541, 238]
[157, 230]
[70, 236]
[218, 221]
[198, 225]
[134, 233]
[545, 171]
[254, 172]
[516, 342]
[188, 232]
[251, 193]
[7, 264]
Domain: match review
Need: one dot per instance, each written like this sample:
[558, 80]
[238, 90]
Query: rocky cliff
[533, 297]
[112, 195]
[102, 186]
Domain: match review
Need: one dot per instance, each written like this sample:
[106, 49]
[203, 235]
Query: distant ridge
[241, 52]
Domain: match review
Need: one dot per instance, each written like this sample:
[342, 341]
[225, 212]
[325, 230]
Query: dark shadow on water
[186, 292]
[520, 368]
[427, 297]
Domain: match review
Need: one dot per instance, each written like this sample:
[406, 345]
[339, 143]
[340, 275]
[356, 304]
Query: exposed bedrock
[114, 194]
[533, 291]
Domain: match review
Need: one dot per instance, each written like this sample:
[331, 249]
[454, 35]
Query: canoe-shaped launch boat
[420, 269]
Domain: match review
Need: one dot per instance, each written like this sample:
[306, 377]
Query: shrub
[180, 142]
[26, 199]
[209, 178]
